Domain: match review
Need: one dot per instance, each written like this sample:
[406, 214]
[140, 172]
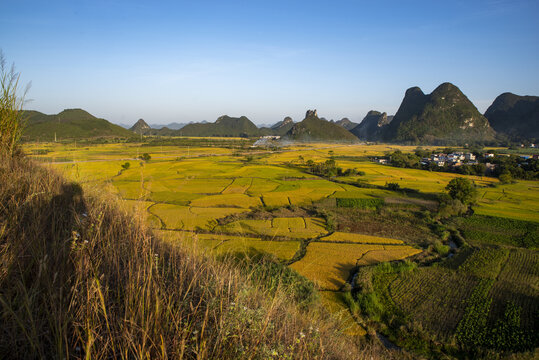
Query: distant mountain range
[445, 116]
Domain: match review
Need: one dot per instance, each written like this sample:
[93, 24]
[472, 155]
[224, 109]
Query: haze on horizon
[182, 61]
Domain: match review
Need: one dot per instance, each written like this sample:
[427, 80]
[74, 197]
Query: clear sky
[195, 60]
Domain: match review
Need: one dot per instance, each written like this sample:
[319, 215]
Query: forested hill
[444, 116]
[223, 126]
[515, 116]
[371, 126]
[69, 124]
[312, 128]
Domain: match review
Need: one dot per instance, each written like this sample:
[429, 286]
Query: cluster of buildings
[454, 159]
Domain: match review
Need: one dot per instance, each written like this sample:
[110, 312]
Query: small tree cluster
[329, 168]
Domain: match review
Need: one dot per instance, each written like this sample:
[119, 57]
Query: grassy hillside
[223, 126]
[69, 124]
[313, 128]
[444, 116]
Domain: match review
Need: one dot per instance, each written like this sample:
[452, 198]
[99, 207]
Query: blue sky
[168, 61]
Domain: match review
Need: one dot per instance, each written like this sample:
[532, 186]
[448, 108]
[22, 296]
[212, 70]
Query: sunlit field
[202, 197]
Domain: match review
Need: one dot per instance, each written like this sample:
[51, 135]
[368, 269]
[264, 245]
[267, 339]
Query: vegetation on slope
[371, 126]
[346, 123]
[283, 126]
[515, 116]
[312, 128]
[69, 124]
[223, 126]
[444, 116]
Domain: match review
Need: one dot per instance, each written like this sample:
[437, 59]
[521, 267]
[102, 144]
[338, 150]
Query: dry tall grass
[11, 102]
[81, 279]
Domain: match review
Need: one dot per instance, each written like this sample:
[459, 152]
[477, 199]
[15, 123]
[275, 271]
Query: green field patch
[227, 200]
[263, 171]
[518, 282]
[283, 250]
[360, 203]
[359, 238]
[90, 171]
[131, 189]
[498, 230]
[261, 186]
[275, 200]
[203, 186]
[191, 218]
[292, 224]
[433, 297]
[485, 262]
[239, 186]
[174, 197]
[297, 228]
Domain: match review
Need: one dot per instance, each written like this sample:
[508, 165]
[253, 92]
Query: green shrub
[441, 249]
[360, 203]
[145, 157]
[462, 189]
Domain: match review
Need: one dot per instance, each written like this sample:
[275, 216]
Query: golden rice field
[330, 264]
[225, 244]
[298, 228]
[359, 238]
[186, 193]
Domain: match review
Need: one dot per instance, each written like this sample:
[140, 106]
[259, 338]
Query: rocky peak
[414, 91]
[220, 118]
[346, 123]
[287, 120]
[140, 126]
[310, 113]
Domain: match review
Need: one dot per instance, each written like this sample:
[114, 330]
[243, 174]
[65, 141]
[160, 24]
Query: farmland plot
[298, 228]
[330, 264]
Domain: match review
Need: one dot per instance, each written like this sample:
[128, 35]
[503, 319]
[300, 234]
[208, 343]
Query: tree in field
[145, 157]
[11, 121]
[505, 178]
[462, 189]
